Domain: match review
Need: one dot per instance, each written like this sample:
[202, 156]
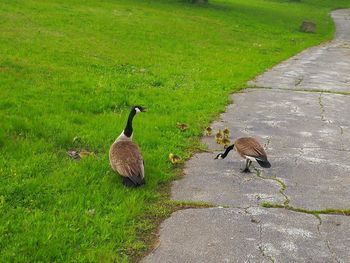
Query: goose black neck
[228, 149]
[128, 129]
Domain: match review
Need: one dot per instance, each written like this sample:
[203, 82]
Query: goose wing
[126, 159]
[248, 146]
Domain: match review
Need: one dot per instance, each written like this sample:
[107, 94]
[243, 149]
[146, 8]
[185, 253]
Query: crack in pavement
[288, 207]
[296, 158]
[283, 186]
[325, 240]
[341, 137]
[268, 140]
[261, 246]
[346, 93]
[322, 108]
[323, 118]
[298, 81]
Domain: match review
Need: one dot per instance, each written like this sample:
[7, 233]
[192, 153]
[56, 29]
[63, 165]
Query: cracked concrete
[307, 138]
[335, 230]
[227, 187]
[238, 235]
[307, 153]
[310, 69]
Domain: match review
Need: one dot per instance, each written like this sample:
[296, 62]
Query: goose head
[219, 156]
[138, 109]
[223, 155]
[127, 132]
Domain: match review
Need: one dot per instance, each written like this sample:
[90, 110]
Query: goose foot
[246, 170]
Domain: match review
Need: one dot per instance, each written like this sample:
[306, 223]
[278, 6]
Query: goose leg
[247, 164]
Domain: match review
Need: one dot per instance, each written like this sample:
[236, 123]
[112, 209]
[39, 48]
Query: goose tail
[133, 182]
[264, 163]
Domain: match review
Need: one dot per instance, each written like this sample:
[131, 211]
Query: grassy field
[69, 72]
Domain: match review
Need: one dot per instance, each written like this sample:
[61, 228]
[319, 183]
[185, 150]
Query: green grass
[73, 69]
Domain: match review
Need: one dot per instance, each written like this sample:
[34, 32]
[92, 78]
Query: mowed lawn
[69, 73]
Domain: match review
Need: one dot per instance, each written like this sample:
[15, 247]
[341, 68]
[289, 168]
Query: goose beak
[144, 110]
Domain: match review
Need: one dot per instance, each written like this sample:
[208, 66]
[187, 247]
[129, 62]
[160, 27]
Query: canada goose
[174, 159]
[249, 149]
[226, 132]
[208, 131]
[125, 156]
[182, 126]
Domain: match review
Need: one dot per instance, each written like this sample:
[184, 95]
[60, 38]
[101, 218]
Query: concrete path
[307, 137]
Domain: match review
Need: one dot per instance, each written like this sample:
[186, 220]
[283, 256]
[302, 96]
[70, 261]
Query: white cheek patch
[137, 110]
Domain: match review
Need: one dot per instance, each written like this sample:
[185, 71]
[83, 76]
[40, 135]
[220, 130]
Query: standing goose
[249, 149]
[125, 156]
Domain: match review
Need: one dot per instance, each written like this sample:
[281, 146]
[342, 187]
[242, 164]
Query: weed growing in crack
[279, 181]
[327, 211]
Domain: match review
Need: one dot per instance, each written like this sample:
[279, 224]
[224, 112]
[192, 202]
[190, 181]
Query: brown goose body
[126, 159]
[250, 147]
